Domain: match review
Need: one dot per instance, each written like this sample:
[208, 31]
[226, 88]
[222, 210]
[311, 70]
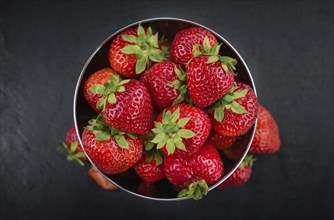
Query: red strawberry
[181, 130]
[241, 175]
[221, 142]
[73, 148]
[208, 81]
[149, 168]
[236, 112]
[266, 139]
[98, 78]
[71, 137]
[130, 109]
[132, 50]
[166, 84]
[111, 151]
[195, 172]
[185, 41]
[100, 180]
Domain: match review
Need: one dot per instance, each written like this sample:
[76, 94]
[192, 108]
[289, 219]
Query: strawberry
[221, 142]
[100, 180]
[111, 151]
[150, 166]
[184, 42]
[241, 175]
[195, 172]
[127, 105]
[73, 148]
[100, 78]
[133, 50]
[209, 75]
[266, 139]
[236, 112]
[166, 84]
[181, 130]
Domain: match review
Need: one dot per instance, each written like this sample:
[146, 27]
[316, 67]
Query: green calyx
[213, 52]
[247, 161]
[103, 132]
[145, 46]
[72, 154]
[195, 190]
[164, 49]
[180, 85]
[206, 48]
[228, 101]
[169, 133]
[108, 90]
[151, 152]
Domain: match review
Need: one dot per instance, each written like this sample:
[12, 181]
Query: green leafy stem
[195, 190]
[108, 90]
[104, 132]
[170, 133]
[228, 101]
[145, 46]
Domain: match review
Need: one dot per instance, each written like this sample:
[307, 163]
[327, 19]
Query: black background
[288, 47]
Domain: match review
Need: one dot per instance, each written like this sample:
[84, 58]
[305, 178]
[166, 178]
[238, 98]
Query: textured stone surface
[288, 47]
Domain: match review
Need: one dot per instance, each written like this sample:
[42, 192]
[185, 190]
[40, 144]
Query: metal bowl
[129, 181]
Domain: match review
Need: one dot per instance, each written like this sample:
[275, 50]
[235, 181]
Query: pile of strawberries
[165, 108]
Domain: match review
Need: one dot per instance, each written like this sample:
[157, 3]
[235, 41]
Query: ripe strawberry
[73, 148]
[100, 180]
[266, 139]
[166, 84]
[236, 112]
[195, 172]
[133, 50]
[127, 107]
[71, 137]
[181, 130]
[185, 41]
[207, 82]
[209, 75]
[111, 151]
[100, 78]
[149, 168]
[221, 142]
[241, 175]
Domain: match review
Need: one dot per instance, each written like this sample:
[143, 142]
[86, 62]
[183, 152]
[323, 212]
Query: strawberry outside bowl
[129, 181]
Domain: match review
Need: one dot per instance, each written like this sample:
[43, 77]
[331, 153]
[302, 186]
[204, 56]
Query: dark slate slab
[288, 47]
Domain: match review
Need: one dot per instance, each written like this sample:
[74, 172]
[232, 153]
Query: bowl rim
[115, 34]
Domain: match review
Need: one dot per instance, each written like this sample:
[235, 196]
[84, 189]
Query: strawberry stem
[213, 53]
[145, 46]
[180, 85]
[247, 161]
[195, 190]
[228, 101]
[170, 133]
[108, 90]
[72, 154]
[104, 132]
